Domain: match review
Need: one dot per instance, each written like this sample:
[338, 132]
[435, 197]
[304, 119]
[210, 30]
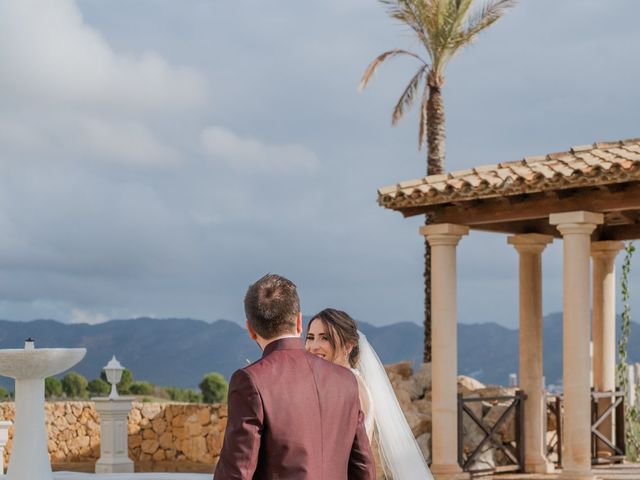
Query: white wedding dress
[401, 455]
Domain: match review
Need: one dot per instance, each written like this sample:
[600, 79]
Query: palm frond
[490, 13]
[408, 96]
[411, 14]
[373, 66]
[459, 9]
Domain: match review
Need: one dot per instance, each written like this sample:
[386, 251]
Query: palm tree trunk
[435, 162]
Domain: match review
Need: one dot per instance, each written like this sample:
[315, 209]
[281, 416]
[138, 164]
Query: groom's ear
[252, 332]
[299, 323]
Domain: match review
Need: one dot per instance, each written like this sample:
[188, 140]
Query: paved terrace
[609, 472]
[130, 476]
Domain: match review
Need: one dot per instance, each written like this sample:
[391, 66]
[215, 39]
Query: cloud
[50, 54]
[249, 155]
[85, 316]
[69, 97]
[127, 142]
[79, 138]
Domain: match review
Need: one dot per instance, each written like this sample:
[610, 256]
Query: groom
[292, 415]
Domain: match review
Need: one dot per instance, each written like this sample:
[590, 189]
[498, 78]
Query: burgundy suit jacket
[294, 416]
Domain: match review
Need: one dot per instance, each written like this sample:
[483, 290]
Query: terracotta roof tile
[431, 179]
[534, 160]
[411, 183]
[602, 163]
[626, 154]
[462, 173]
[581, 148]
[544, 170]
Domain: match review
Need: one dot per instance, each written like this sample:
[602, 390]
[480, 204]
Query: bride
[333, 335]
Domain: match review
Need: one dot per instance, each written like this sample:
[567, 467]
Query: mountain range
[178, 352]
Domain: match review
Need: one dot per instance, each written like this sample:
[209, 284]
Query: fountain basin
[23, 364]
[30, 366]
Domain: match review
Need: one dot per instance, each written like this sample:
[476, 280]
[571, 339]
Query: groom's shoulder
[336, 371]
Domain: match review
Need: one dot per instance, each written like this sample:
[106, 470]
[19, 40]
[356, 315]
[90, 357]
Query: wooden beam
[620, 232]
[536, 206]
[516, 228]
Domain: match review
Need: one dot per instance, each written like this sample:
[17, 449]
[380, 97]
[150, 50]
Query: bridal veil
[399, 450]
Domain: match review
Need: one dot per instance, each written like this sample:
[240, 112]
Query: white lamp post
[114, 412]
[114, 370]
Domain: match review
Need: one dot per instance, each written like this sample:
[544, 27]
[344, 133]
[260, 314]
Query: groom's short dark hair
[272, 306]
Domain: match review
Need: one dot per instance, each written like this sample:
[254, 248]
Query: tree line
[212, 389]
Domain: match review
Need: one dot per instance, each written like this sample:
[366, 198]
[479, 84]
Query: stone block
[150, 446]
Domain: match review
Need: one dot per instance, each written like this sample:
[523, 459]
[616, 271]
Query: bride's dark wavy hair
[341, 330]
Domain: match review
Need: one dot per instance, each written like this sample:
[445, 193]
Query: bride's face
[318, 344]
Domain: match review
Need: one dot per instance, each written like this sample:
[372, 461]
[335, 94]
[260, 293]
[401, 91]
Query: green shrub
[141, 388]
[4, 395]
[75, 385]
[183, 395]
[52, 387]
[214, 388]
[98, 388]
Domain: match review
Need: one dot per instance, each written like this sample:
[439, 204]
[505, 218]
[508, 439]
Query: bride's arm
[366, 405]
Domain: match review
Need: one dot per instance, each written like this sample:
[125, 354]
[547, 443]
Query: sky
[158, 156]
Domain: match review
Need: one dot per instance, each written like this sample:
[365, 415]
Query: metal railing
[554, 444]
[607, 411]
[511, 450]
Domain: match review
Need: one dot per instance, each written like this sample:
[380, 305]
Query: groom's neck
[262, 343]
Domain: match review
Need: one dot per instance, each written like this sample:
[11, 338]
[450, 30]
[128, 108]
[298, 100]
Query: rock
[135, 441]
[159, 456]
[135, 416]
[496, 391]
[468, 385]
[150, 410]
[179, 420]
[485, 460]
[193, 428]
[410, 386]
[419, 423]
[424, 442]
[472, 432]
[158, 425]
[166, 440]
[423, 377]
[403, 369]
[150, 446]
[507, 430]
[204, 417]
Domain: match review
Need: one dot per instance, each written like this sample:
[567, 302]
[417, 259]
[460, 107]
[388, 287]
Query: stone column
[530, 247]
[603, 256]
[443, 239]
[576, 229]
[4, 437]
[114, 435]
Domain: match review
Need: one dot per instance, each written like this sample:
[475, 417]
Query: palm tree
[443, 27]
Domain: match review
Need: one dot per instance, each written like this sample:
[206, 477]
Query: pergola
[589, 197]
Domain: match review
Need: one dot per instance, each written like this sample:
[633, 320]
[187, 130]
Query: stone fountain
[29, 367]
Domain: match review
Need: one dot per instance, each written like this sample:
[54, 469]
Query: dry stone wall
[162, 433]
[157, 432]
